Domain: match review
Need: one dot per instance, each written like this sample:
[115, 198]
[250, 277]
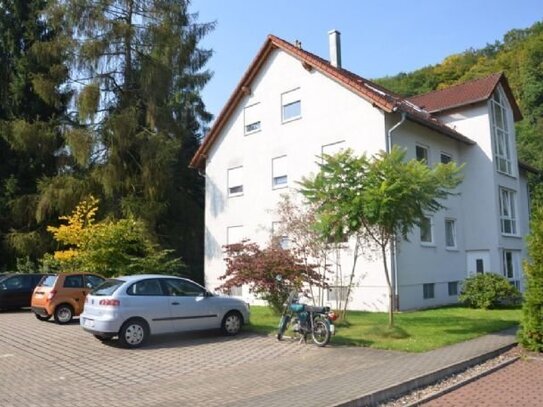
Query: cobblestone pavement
[518, 384]
[44, 364]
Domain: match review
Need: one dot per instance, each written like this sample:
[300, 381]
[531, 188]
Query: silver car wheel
[134, 334]
[232, 323]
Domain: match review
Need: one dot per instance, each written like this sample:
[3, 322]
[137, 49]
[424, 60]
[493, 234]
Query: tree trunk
[390, 293]
[351, 278]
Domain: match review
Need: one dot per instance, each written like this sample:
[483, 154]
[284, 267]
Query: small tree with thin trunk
[378, 200]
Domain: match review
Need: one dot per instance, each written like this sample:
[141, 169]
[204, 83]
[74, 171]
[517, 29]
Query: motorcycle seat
[320, 310]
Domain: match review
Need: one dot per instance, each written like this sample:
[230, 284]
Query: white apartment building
[292, 106]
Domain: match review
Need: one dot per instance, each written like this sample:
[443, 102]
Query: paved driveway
[45, 364]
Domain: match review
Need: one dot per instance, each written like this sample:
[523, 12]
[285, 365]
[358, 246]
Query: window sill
[510, 235]
[252, 132]
[427, 244]
[279, 187]
[235, 195]
[452, 249]
[513, 176]
[292, 119]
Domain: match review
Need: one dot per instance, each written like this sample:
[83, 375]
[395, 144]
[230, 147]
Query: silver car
[134, 307]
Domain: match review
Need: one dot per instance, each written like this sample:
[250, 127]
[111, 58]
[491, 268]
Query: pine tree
[32, 104]
[138, 71]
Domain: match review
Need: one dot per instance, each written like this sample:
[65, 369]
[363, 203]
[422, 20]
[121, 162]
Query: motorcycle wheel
[321, 333]
[283, 324]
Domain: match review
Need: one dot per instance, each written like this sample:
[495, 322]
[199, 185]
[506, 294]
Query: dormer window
[251, 119]
[501, 132]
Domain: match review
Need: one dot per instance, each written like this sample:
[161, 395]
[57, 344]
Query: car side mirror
[207, 294]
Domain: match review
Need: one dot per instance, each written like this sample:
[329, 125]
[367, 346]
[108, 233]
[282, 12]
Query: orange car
[62, 295]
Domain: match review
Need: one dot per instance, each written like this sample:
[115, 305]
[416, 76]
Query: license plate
[332, 329]
[89, 323]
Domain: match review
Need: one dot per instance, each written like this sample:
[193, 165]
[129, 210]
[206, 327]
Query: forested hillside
[519, 55]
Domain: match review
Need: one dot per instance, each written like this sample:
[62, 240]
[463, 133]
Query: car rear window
[48, 281]
[108, 287]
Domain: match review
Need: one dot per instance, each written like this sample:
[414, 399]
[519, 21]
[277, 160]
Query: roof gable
[375, 94]
[464, 94]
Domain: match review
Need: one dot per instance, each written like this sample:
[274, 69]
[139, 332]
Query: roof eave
[451, 133]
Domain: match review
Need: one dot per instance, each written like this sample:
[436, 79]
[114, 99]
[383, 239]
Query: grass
[415, 331]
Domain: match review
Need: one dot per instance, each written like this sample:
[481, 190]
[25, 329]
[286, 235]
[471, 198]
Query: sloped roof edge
[371, 92]
[451, 98]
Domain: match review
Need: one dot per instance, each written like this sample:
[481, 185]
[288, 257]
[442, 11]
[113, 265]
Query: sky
[378, 38]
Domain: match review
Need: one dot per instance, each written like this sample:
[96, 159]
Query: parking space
[43, 363]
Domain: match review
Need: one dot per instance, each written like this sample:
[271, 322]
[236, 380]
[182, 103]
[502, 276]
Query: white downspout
[393, 261]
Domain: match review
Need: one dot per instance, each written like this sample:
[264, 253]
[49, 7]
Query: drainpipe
[393, 261]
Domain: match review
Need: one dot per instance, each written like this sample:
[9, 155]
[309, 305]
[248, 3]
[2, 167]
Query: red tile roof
[466, 93]
[373, 93]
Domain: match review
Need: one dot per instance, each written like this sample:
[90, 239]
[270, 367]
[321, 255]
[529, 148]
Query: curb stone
[397, 390]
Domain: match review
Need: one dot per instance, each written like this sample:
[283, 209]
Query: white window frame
[337, 293]
[290, 98]
[427, 289]
[426, 160]
[501, 133]
[279, 172]
[256, 122]
[233, 183]
[452, 284]
[234, 234]
[510, 266]
[455, 245]
[424, 242]
[508, 215]
[444, 154]
[282, 239]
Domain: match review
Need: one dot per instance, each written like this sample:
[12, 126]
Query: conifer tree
[32, 104]
[138, 72]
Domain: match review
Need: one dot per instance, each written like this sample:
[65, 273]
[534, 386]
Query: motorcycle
[305, 320]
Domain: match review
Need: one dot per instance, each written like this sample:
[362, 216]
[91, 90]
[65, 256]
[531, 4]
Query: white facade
[273, 137]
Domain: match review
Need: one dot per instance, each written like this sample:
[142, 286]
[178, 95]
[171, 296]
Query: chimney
[335, 48]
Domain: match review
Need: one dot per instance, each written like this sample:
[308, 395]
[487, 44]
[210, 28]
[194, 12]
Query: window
[333, 148]
[426, 235]
[234, 234]
[291, 105]
[450, 233]
[235, 181]
[93, 281]
[479, 266]
[236, 291]
[445, 158]
[428, 291]
[182, 288]
[278, 236]
[279, 172]
[507, 212]
[17, 282]
[500, 130]
[145, 287]
[251, 119]
[337, 293]
[510, 267]
[422, 154]
[73, 281]
[453, 288]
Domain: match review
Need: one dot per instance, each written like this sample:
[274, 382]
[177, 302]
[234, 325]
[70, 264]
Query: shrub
[248, 264]
[487, 290]
[531, 325]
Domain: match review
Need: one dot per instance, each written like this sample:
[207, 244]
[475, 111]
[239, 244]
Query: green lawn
[416, 331]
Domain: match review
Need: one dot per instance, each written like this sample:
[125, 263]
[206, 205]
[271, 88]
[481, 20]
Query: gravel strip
[426, 393]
